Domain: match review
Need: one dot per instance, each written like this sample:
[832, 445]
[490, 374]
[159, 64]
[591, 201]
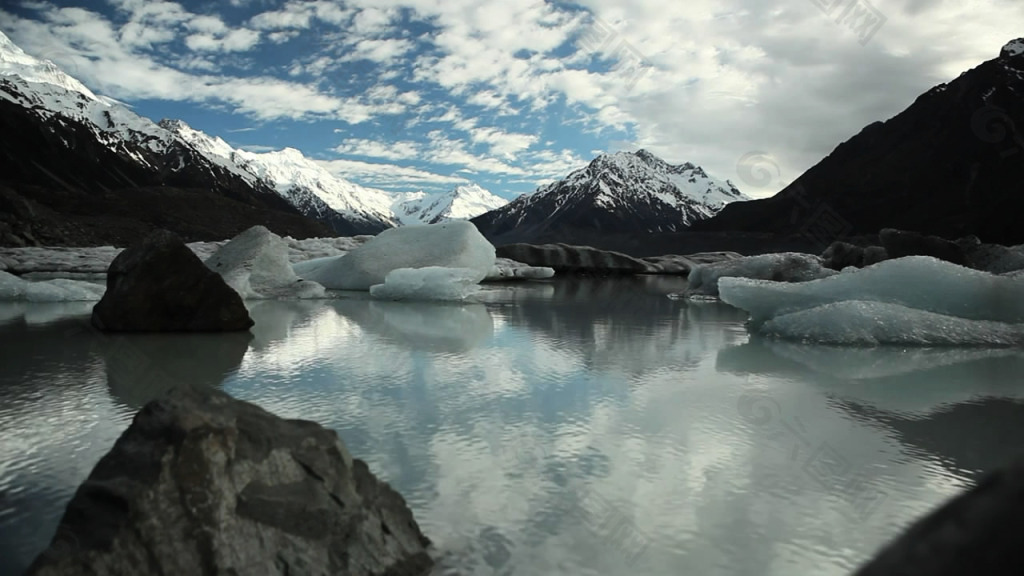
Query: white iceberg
[860, 323]
[255, 264]
[59, 290]
[704, 279]
[918, 282]
[508, 269]
[430, 283]
[452, 244]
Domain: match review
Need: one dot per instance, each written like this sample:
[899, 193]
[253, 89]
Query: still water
[570, 427]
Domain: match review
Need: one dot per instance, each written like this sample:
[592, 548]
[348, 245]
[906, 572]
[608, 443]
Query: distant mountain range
[951, 164]
[124, 174]
[623, 192]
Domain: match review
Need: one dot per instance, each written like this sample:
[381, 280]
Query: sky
[407, 95]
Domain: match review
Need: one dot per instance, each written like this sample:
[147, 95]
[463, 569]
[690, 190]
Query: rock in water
[782, 267]
[202, 483]
[900, 243]
[565, 258]
[978, 532]
[255, 263]
[452, 244]
[159, 285]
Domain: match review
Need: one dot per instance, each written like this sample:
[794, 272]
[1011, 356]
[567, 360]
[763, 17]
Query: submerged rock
[452, 244]
[159, 285]
[977, 532]
[255, 263]
[202, 483]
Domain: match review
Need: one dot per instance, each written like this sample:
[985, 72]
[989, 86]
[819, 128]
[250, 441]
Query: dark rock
[565, 258]
[977, 532]
[874, 255]
[674, 264]
[160, 285]
[841, 254]
[202, 483]
[900, 243]
[993, 258]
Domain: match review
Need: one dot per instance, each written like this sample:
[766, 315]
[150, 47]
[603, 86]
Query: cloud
[238, 40]
[387, 175]
[401, 150]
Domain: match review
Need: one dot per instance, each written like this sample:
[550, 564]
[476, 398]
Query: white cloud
[503, 144]
[401, 150]
[386, 175]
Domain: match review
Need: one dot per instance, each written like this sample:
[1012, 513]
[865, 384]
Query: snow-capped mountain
[307, 185]
[623, 192]
[175, 154]
[460, 203]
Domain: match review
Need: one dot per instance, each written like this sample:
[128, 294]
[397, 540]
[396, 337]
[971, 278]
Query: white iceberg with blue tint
[703, 279]
[255, 264]
[430, 283]
[453, 244]
[59, 290]
[859, 323]
[919, 282]
[916, 300]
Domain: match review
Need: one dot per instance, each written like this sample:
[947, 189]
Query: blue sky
[426, 94]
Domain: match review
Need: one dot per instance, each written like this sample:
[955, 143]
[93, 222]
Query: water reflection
[578, 426]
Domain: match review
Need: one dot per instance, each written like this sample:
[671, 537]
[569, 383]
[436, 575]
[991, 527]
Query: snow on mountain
[306, 184]
[460, 203]
[41, 86]
[623, 192]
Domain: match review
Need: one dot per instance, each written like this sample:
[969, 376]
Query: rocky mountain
[460, 203]
[347, 207]
[79, 169]
[90, 170]
[951, 164]
[623, 192]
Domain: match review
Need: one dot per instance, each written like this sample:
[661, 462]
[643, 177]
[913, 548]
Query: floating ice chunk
[860, 323]
[919, 282]
[786, 267]
[60, 290]
[507, 269]
[255, 263]
[452, 244]
[430, 283]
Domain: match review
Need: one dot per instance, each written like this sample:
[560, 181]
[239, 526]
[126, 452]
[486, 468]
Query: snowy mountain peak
[620, 192]
[461, 203]
[15, 62]
[1013, 48]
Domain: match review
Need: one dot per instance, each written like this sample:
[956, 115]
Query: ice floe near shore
[430, 283]
[58, 290]
[916, 300]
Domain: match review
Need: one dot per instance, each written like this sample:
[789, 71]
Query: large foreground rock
[453, 244]
[978, 532]
[159, 285]
[255, 263]
[201, 483]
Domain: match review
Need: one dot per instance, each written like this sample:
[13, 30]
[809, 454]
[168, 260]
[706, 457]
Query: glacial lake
[577, 427]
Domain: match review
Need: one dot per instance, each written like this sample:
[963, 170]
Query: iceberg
[704, 279]
[430, 283]
[58, 290]
[920, 282]
[508, 269]
[452, 244]
[860, 323]
[256, 265]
